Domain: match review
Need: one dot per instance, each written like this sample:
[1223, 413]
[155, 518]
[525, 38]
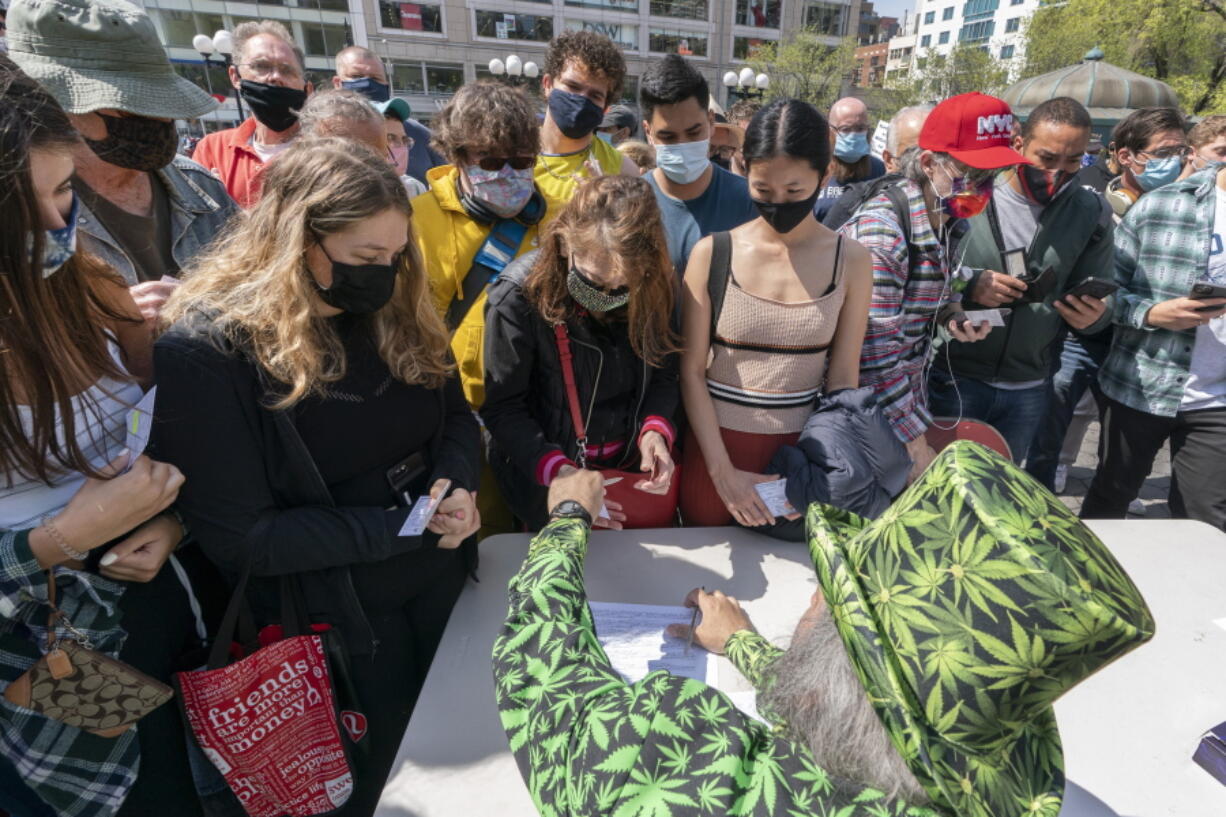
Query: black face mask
[136, 142]
[1041, 186]
[274, 107]
[785, 216]
[574, 114]
[359, 289]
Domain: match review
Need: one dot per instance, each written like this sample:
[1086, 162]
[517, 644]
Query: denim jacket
[199, 208]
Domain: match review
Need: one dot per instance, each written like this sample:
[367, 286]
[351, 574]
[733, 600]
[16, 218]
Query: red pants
[700, 502]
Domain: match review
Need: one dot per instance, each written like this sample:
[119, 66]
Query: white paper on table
[774, 494]
[140, 424]
[634, 639]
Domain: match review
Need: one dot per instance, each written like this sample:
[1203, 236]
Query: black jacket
[253, 491]
[525, 409]
[847, 456]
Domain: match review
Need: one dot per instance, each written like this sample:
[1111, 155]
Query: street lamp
[220, 43]
[745, 84]
[516, 71]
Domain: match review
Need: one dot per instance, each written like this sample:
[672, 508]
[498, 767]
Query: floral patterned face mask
[504, 191]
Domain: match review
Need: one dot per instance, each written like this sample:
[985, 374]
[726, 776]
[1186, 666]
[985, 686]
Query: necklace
[568, 177]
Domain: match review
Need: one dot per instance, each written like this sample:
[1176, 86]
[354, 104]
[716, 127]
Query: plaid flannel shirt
[904, 305]
[75, 772]
[1161, 249]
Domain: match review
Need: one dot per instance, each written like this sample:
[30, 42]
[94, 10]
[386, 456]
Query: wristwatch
[570, 509]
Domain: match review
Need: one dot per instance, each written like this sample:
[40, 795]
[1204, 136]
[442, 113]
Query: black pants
[388, 683]
[1131, 440]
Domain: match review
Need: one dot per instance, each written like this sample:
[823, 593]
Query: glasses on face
[1180, 151]
[725, 152]
[493, 164]
[263, 69]
[399, 140]
[849, 129]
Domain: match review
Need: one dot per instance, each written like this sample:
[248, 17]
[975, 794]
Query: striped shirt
[904, 304]
[1162, 248]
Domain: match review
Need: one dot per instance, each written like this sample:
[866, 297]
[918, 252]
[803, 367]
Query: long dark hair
[617, 215]
[53, 333]
[788, 127]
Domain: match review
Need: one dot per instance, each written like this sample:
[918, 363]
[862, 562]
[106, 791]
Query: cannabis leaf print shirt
[587, 743]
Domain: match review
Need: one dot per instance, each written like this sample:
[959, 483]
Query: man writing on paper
[921, 674]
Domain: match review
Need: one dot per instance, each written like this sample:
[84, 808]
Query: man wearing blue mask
[584, 72]
[1151, 147]
[851, 161]
[696, 196]
[360, 69]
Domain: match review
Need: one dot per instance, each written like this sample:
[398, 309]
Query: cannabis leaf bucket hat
[972, 604]
[96, 54]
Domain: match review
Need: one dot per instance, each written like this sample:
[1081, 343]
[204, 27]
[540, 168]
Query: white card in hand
[774, 494]
[422, 513]
[140, 424]
[994, 317]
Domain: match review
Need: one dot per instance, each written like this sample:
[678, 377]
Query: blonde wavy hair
[254, 286]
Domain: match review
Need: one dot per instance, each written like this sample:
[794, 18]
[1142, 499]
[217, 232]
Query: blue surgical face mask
[685, 162]
[373, 90]
[851, 147]
[605, 137]
[1159, 172]
[60, 244]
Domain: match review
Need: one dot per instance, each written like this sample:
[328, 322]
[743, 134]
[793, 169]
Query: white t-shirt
[267, 152]
[1206, 387]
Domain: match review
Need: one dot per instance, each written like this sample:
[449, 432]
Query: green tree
[1181, 42]
[964, 69]
[805, 66]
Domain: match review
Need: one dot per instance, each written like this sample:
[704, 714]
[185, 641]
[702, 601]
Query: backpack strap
[902, 209]
[718, 275]
[499, 249]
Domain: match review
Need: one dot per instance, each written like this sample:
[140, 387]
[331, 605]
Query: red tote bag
[269, 722]
[642, 509]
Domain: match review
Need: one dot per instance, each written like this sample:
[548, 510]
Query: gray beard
[815, 690]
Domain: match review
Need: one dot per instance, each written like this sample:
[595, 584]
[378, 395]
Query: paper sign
[140, 424]
[774, 494]
[422, 513]
[877, 145]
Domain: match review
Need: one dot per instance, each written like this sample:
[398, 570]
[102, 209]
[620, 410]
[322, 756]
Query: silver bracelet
[59, 539]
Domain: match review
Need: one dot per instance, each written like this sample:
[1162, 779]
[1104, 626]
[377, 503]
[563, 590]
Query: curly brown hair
[596, 53]
[617, 216]
[486, 117]
[1205, 131]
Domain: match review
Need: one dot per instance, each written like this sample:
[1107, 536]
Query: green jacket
[589, 744]
[1076, 241]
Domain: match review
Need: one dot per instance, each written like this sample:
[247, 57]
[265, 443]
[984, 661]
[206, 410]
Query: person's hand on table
[456, 518]
[657, 463]
[719, 616]
[736, 489]
[1181, 313]
[579, 481]
[993, 289]
[1080, 311]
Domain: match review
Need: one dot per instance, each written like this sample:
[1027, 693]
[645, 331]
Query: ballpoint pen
[693, 621]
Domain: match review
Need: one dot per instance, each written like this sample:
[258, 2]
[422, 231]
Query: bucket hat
[967, 609]
[95, 54]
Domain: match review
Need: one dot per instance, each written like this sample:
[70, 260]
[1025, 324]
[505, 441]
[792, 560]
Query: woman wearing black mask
[601, 288]
[795, 300]
[306, 391]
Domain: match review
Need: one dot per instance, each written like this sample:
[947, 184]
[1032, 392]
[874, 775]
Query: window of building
[1016, 2]
[627, 36]
[178, 27]
[618, 5]
[327, 5]
[825, 18]
[506, 25]
[943, 38]
[442, 78]
[948, 13]
[410, 16]
[925, 41]
[758, 13]
[195, 72]
[743, 48]
[630, 90]
[977, 32]
[671, 41]
[438, 78]
[685, 9]
[323, 40]
[1012, 24]
[407, 78]
[874, 60]
[1006, 52]
[930, 18]
[977, 9]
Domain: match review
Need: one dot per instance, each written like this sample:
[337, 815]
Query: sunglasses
[493, 164]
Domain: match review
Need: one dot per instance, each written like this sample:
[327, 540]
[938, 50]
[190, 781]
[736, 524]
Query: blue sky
[893, 8]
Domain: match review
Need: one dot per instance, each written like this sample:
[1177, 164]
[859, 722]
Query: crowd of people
[343, 310]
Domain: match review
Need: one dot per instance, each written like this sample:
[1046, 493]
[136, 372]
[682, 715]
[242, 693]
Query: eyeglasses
[846, 129]
[1180, 151]
[725, 151]
[399, 140]
[266, 68]
[493, 164]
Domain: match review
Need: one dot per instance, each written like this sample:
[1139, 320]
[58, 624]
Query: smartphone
[1202, 290]
[1094, 287]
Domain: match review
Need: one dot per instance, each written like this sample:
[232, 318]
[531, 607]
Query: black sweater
[253, 490]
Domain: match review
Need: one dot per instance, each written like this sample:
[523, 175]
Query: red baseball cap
[976, 129]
